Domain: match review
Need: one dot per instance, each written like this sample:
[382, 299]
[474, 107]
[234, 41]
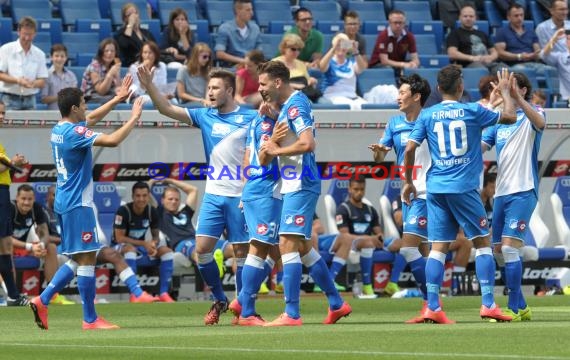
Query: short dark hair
[485, 87]
[68, 97]
[256, 56]
[140, 185]
[523, 81]
[351, 14]
[396, 12]
[449, 79]
[275, 70]
[356, 180]
[489, 178]
[418, 85]
[300, 10]
[514, 5]
[227, 77]
[170, 188]
[154, 49]
[468, 5]
[58, 47]
[25, 187]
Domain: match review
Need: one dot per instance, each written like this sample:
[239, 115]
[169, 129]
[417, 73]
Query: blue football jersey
[263, 181]
[453, 132]
[517, 147]
[224, 138]
[298, 172]
[71, 150]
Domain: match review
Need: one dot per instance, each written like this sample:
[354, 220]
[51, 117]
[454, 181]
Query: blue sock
[366, 265]
[485, 269]
[279, 277]
[165, 271]
[211, 276]
[252, 275]
[292, 271]
[336, 267]
[320, 274]
[131, 260]
[130, 279]
[62, 277]
[418, 268]
[239, 270]
[513, 276]
[398, 266]
[434, 277]
[86, 286]
[8, 276]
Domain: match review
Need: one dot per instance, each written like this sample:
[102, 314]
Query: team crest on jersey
[89, 133]
[299, 220]
[87, 237]
[265, 137]
[29, 222]
[180, 220]
[239, 119]
[118, 219]
[293, 112]
[367, 217]
[80, 130]
[422, 222]
[145, 223]
[339, 219]
[262, 229]
[482, 222]
[265, 126]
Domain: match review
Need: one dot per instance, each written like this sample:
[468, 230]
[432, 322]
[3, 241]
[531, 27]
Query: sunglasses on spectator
[294, 49]
[306, 19]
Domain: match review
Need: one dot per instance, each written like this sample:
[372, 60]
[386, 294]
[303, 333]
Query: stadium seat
[435, 27]
[429, 74]
[265, 11]
[370, 42]
[471, 77]
[71, 10]
[372, 77]
[373, 27]
[84, 59]
[414, 10]
[553, 83]
[117, 5]
[493, 15]
[482, 25]
[322, 10]
[560, 200]
[105, 8]
[330, 26]
[40, 191]
[270, 43]
[389, 195]
[200, 30]
[279, 26]
[379, 106]
[51, 26]
[536, 242]
[102, 27]
[80, 43]
[157, 190]
[38, 9]
[217, 12]
[153, 26]
[107, 201]
[426, 44]
[166, 7]
[368, 10]
[433, 61]
[5, 30]
[78, 71]
[535, 12]
[325, 106]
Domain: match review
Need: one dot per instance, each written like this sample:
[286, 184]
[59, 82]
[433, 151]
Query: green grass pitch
[374, 330]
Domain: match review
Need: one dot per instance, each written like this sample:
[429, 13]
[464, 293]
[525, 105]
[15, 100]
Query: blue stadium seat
[78, 71]
[323, 10]
[375, 76]
[474, 94]
[171, 75]
[370, 42]
[107, 200]
[560, 200]
[5, 30]
[429, 74]
[217, 12]
[38, 9]
[390, 194]
[553, 83]
[165, 8]
[426, 44]
[117, 5]
[152, 25]
[471, 77]
[279, 26]
[265, 11]
[379, 106]
[415, 10]
[535, 12]
[83, 59]
[51, 26]
[492, 13]
[429, 27]
[338, 190]
[102, 27]
[80, 43]
[373, 27]
[433, 61]
[71, 10]
[368, 10]
[157, 190]
[270, 43]
[324, 106]
[105, 8]
[200, 30]
[40, 191]
[330, 26]
[530, 74]
[26, 262]
[481, 25]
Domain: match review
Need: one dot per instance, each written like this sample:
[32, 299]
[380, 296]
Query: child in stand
[58, 77]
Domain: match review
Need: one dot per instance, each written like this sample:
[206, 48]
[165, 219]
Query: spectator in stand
[58, 76]
[290, 47]
[23, 68]
[176, 42]
[192, 80]
[394, 44]
[238, 36]
[149, 57]
[538, 98]
[352, 30]
[554, 43]
[469, 47]
[490, 98]
[516, 45]
[101, 78]
[131, 36]
[340, 72]
[246, 80]
[312, 52]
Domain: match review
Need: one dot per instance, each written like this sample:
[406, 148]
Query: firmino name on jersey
[448, 114]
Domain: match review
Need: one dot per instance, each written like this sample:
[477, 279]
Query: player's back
[71, 150]
[453, 131]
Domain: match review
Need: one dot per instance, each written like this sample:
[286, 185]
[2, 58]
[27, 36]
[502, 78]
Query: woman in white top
[149, 58]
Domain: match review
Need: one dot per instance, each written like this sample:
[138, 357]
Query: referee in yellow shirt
[14, 296]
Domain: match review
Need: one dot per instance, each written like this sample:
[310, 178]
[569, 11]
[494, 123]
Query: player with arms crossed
[300, 189]
[516, 191]
[71, 143]
[224, 130]
[453, 133]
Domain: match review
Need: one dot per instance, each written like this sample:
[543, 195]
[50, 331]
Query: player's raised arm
[379, 151]
[115, 138]
[534, 116]
[508, 115]
[161, 102]
[121, 95]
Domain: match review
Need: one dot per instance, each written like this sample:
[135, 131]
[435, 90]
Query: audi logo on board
[105, 188]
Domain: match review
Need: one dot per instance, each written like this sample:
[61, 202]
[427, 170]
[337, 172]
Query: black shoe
[218, 308]
[21, 300]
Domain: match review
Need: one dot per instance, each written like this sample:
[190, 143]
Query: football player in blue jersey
[453, 133]
[71, 143]
[224, 129]
[300, 186]
[413, 93]
[516, 192]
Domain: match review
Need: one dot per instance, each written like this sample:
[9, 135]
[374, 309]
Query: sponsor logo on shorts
[299, 220]
[483, 222]
[262, 229]
[422, 222]
[87, 237]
